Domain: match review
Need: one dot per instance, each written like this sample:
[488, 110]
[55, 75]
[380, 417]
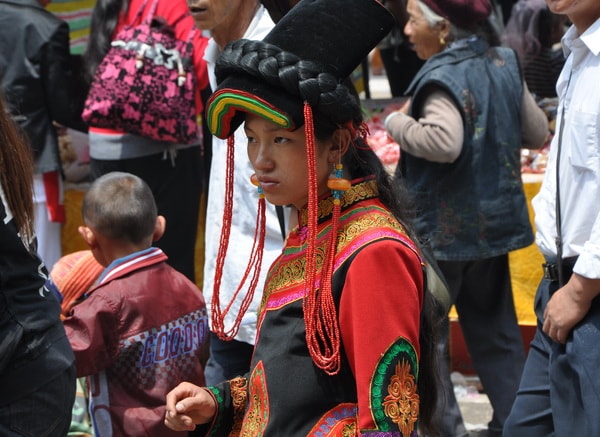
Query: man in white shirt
[229, 20]
[560, 391]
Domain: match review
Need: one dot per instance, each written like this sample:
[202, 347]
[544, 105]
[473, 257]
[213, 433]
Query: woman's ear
[443, 28]
[340, 141]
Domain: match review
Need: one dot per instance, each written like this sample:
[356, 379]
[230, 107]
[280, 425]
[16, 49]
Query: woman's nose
[262, 158]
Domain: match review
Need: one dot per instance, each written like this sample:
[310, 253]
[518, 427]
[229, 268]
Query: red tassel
[320, 315]
[254, 262]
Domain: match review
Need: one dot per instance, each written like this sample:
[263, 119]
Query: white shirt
[245, 201]
[578, 88]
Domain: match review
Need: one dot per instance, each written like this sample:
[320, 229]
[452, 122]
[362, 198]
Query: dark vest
[475, 207]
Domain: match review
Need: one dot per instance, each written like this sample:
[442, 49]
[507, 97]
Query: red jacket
[141, 332]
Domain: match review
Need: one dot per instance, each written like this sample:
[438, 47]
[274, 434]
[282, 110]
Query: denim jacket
[474, 207]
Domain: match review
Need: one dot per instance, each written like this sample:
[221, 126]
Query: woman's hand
[189, 405]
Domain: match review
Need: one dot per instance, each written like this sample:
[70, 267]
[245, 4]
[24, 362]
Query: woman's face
[279, 160]
[425, 39]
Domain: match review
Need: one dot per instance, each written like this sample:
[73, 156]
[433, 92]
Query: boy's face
[583, 13]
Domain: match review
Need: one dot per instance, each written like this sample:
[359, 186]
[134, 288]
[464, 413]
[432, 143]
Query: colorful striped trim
[135, 261]
[225, 103]
[340, 420]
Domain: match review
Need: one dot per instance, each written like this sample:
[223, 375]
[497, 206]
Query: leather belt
[551, 269]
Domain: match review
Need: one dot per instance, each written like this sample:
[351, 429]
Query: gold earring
[442, 41]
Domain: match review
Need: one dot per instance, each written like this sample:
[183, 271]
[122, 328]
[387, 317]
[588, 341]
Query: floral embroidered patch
[239, 395]
[257, 415]
[394, 397]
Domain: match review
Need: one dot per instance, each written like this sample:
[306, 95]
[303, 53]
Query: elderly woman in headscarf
[460, 135]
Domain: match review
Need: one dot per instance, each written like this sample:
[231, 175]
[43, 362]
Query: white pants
[47, 232]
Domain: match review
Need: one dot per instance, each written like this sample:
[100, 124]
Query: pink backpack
[145, 84]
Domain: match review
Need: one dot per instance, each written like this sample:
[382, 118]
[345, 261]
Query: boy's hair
[120, 206]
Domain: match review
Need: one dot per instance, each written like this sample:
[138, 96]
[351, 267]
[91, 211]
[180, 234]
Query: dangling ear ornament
[254, 181]
[337, 184]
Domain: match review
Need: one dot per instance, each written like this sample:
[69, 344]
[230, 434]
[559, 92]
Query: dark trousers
[44, 413]
[177, 190]
[560, 388]
[401, 64]
[482, 294]
[227, 360]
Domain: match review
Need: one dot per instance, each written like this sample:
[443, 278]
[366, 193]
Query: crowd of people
[313, 310]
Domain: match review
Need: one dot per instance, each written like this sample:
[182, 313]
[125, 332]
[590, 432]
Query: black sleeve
[64, 87]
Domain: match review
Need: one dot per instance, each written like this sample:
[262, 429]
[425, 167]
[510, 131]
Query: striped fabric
[77, 13]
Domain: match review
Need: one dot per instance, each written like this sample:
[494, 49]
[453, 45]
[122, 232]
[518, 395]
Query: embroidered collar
[361, 189]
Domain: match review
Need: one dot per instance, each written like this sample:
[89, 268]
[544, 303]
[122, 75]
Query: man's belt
[551, 269]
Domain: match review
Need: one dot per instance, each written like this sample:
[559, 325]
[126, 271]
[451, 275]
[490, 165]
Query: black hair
[105, 17]
[120, 206]
[547, 24]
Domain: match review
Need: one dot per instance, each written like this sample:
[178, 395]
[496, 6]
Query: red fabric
[395, 298]
[54, 199]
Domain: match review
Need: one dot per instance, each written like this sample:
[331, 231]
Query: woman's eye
[281, 140]
[250, 139]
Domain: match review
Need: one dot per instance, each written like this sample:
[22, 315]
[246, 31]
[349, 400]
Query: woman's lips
[267, 184]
